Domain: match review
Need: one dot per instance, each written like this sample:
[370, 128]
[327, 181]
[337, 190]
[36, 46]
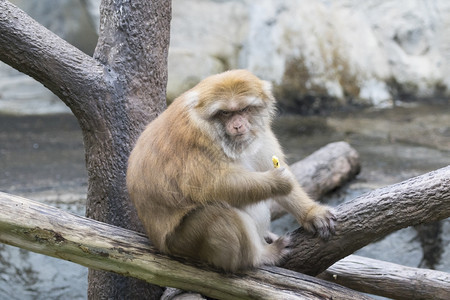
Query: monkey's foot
[276, 251]
[270, 237]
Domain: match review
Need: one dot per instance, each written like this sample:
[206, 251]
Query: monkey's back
[167, 171]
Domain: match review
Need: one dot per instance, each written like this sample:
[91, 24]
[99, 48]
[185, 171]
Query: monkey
[201, 177]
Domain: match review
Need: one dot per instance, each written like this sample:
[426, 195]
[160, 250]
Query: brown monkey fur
[201, 176]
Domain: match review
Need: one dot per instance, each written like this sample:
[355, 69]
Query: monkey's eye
[244, 109]
[224, 113]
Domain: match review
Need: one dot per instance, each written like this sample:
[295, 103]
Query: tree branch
[422, 199]
[34, 50]
[50, 231]
[388, 279]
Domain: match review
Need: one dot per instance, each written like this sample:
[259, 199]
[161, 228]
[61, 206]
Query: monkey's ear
[267, 89]
[192, 98]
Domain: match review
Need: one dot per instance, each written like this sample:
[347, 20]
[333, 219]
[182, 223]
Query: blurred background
[374, 73]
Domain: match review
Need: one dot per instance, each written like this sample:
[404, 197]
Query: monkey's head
[234, 107]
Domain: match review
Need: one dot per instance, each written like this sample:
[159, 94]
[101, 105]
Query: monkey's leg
[270, 237]
[260, 213]
[224, 237]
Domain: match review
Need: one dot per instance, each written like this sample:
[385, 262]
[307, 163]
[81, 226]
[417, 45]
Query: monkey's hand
[281, 181]
[320, 220]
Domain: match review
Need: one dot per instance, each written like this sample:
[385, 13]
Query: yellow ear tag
[276, 162]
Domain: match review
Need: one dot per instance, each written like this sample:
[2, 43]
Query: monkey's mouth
[240, 137]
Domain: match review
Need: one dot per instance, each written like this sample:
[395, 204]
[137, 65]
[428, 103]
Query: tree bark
[113, 95]
[419, 200]
[48, 230]
[132, 47]
[388, 279]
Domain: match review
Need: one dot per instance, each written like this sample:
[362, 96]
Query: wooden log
[327, 168]
[388, 279]
[51, 231]
[419, 200]
[323, 171]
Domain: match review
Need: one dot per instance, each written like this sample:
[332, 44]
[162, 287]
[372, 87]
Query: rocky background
[321, 55]
[317, 53]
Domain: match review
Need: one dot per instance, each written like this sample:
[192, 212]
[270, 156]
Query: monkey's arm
[313, 216]
[239, 187]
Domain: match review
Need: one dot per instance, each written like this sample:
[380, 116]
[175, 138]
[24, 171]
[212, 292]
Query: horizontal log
[388, 279]
[47, 230]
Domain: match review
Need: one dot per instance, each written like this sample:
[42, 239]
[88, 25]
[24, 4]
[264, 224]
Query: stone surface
[319, 54]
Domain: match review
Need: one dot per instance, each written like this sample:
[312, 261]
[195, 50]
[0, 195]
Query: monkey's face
[238, 126]
[234, 108]
[235, 123]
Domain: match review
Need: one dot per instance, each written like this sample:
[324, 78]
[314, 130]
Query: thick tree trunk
[113, 96]
[133, 46]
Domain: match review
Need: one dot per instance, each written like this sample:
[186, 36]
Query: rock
[349, 52]
[319, 54]
[177, 294]
[309, 51]
[206, 38]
